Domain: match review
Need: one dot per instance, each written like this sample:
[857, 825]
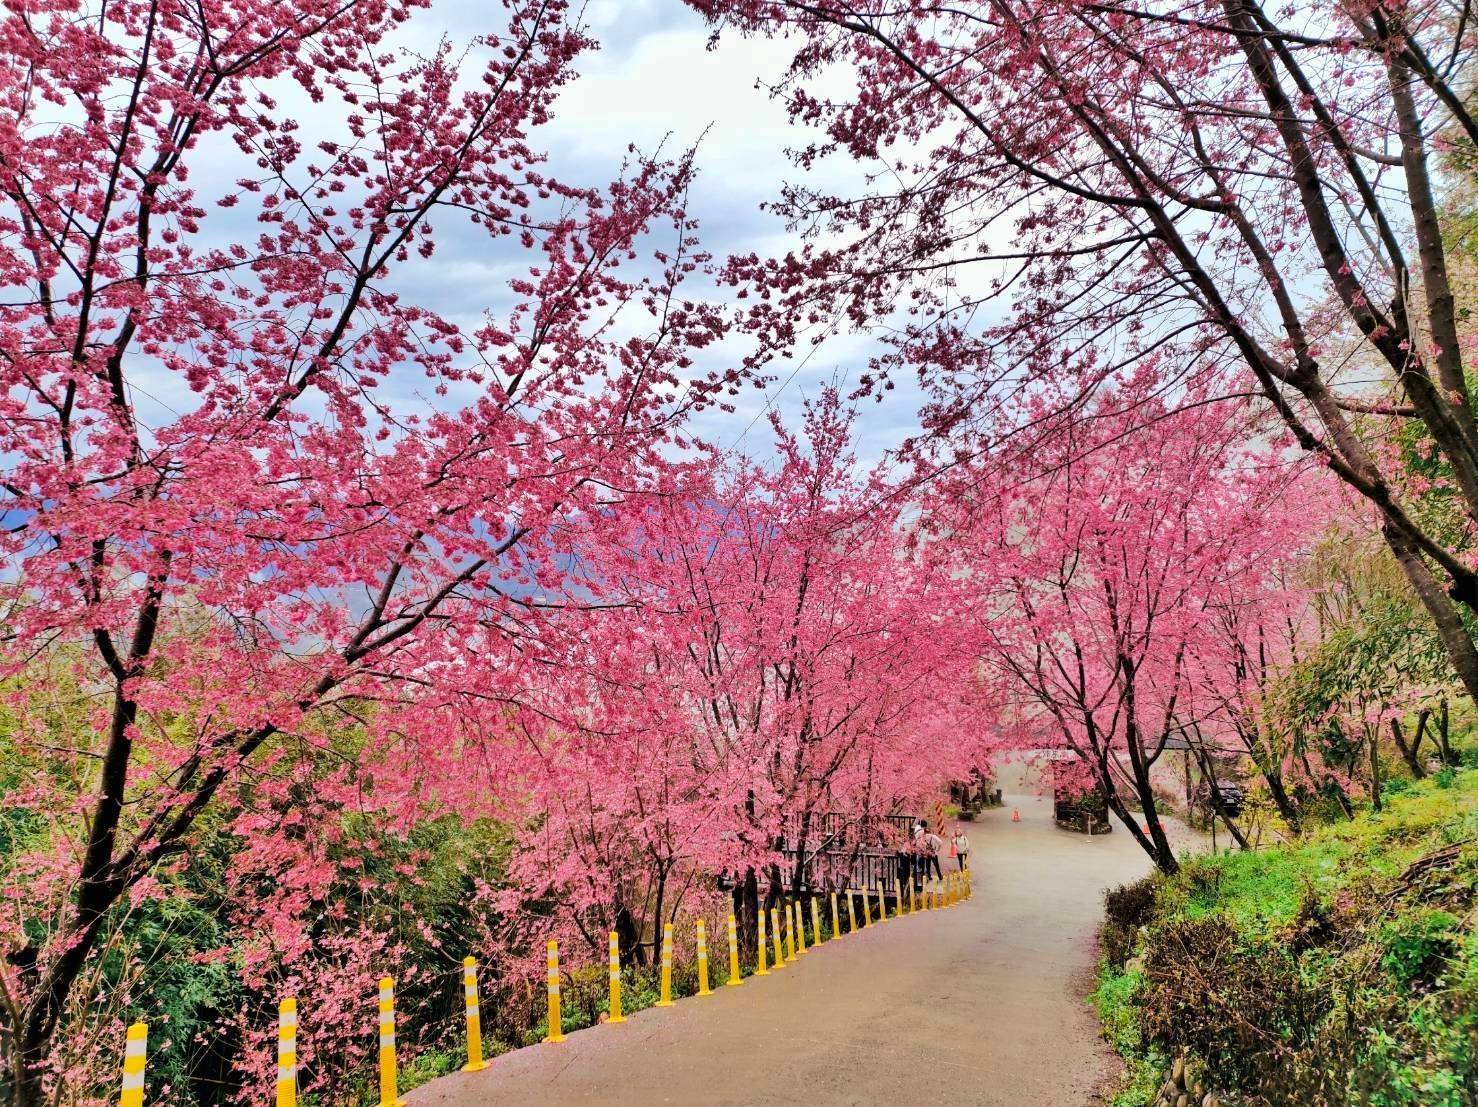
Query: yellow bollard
[851, 913]
[475, 1063]
[913, 898]
[800, 928]
[556, 1029]
[389, 1093]
[735, 976]
[135, 1050]
[666, 1000]
[815, 923]
[614, 947]
[287, 1053]
[898, 902]
[866, 907]
[778, 939]
[836, 922]
[702, 961]
[759, 958]
[790, 954]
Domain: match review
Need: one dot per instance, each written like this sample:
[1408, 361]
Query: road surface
[978, 1004]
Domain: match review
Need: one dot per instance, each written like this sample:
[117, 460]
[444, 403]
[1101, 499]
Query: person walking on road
[933, 845]
[959, 848]
[918, 848]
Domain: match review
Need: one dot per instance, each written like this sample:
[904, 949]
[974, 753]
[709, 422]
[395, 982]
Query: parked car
[1218, 798]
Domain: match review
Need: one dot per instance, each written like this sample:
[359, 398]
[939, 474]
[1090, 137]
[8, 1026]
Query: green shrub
[1340, 969]
[1419, 945]
[1126, 909]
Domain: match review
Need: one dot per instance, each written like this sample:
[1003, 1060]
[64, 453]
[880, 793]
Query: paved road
[978, 1004]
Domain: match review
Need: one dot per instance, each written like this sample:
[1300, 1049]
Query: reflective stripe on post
[389, 1092]
[555, 1033]
[702, 961]
[135, 1052]
[475, 1063]
[666, 1000]
[615, 952]
[287, 1053]
[736, 977]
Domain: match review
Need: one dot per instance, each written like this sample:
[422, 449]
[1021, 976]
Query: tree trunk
[1411, 753]
[1444, 750]
[1282, 800]
[746, 912]
[1440, 606]
[1374, 741]
[1154, 844]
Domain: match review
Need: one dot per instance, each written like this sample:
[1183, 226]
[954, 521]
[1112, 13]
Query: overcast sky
[653, 80]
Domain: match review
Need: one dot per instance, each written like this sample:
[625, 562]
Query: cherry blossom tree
[1102, 579]
[258, 490]
[1072, 190]
[777, 651]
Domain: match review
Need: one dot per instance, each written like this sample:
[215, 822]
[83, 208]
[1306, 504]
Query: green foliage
[1419, 945]
[1126, 909]
[425, 1068]
[1339, 969]
[1114, 1001]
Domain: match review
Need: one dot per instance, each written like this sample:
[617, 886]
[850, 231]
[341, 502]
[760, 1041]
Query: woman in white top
[959, 846]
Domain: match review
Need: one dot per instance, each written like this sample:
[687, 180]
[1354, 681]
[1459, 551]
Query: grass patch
[1340, 968]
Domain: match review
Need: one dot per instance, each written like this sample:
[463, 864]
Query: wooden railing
[844, 851]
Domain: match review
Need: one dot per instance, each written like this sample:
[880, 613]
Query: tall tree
[1155, 188]
[1101, 580]
[210, 482]
[780, 653]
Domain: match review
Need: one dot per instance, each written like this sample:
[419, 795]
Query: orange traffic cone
[1016, 814]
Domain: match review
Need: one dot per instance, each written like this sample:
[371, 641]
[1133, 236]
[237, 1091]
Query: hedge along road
[983, 1003]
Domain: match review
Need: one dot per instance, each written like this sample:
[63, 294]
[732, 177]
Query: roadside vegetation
[1340, 967]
